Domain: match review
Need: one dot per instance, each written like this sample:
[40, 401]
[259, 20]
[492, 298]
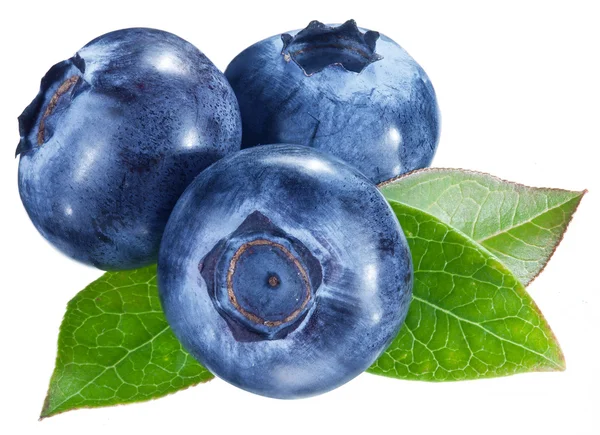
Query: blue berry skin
[284, 271]
[358, 96]
[114, 137]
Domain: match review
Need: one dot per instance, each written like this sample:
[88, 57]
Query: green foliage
[519, 225]
[115, 346]
[475, 241]
[470, 317]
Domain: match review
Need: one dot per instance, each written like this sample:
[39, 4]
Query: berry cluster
[281, 267]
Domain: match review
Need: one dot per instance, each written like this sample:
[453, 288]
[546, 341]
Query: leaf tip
[45, 408]
[578, 198]
[560, 359]
[557, 361]
[557, 365]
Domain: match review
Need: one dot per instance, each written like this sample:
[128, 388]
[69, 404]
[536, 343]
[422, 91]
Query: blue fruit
[114, 137]
[284, 271]
[358, 96]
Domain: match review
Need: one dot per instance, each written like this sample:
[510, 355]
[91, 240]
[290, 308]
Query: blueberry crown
[319, 46]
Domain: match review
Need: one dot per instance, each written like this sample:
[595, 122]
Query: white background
[519, 90]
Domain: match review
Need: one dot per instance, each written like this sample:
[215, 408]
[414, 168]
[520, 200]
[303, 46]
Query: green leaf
[470, 317]
[520, 225]
[115, 347]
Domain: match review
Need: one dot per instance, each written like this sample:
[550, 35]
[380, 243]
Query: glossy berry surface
[357, 95]
[114, 137]
[284, 271]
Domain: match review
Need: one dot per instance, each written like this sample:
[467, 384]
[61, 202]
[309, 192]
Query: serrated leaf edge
[204, 381]
[581, 194]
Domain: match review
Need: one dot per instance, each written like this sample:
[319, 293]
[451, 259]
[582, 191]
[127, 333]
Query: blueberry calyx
[319, 46]
[261, 280]
[272, 281]
[62, 89]
[58, 87]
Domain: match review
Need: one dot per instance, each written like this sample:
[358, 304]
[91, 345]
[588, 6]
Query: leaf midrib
[462, 319]
[129, 352]
[505, 230]
[525, 222]
[486, 251]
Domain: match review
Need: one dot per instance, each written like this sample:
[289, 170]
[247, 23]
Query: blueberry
[114, 137]
[284, 271]
[358, 96]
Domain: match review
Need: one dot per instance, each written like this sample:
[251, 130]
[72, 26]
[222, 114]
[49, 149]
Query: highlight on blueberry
[114, 137]
[284, 271]
[347, 91]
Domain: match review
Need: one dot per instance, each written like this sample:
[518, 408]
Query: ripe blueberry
[114, 137]
[284, 271]
[358, 96]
